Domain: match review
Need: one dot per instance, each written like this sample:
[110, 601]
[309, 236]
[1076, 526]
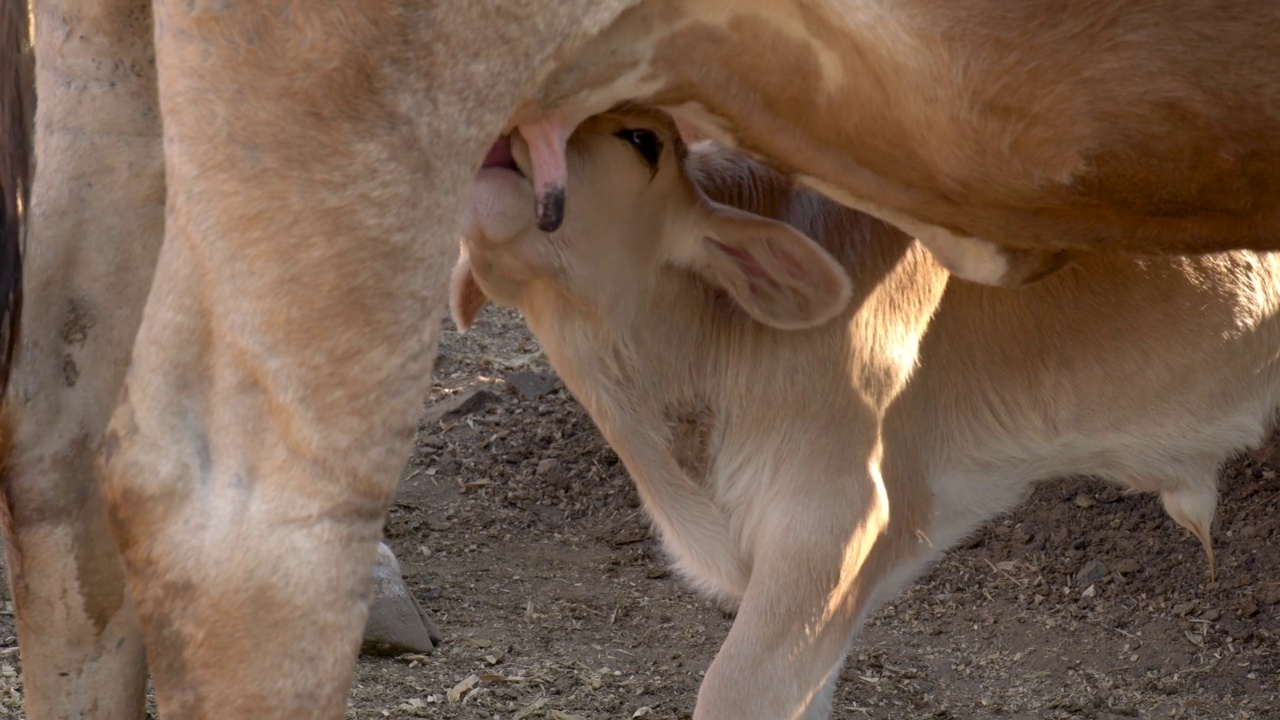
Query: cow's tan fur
[808, 473]
[317, 158]
[1042, 127]
[251, 603]
[95, 225]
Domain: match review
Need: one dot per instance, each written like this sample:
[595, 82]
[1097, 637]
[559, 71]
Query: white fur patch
[973, 259]
[712, 126]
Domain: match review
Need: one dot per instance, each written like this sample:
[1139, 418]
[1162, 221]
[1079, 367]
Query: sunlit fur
[809, 473]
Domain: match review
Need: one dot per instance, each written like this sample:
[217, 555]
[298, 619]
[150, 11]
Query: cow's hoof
[397, 623]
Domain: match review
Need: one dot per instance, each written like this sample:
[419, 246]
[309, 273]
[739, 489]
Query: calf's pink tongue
[547, 141]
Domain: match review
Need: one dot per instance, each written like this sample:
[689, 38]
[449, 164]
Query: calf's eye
[645, 142]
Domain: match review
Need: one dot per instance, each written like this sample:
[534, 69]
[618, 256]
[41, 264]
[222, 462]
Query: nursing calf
[812, 409]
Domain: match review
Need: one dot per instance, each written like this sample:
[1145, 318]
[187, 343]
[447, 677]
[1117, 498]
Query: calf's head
[636, 210]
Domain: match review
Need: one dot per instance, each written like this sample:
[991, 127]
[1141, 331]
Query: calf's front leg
[819, 563]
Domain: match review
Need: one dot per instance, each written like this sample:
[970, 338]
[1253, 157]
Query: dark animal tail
[17, 110]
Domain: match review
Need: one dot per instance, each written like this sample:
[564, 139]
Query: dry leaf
[493, 677]
[529, 709]
[457, 692]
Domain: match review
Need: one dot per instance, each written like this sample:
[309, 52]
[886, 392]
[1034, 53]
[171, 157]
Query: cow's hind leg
[284, 352]
[397, 623]
[95, 225]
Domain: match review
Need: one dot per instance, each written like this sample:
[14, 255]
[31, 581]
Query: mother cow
[316, 160]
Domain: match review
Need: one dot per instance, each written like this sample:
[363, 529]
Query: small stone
[942, 667]
[1085, 500]
[1240, 630]
[1248, 607]
[531, 385]
[551, 472]
[1269, 593]
[1184, 608]
[459, 405]
[1092, 572]
[447, 465]
[628, 536]
[1236, 581]
[1127, 566]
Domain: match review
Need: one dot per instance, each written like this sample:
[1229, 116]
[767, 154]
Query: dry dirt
[518, 529]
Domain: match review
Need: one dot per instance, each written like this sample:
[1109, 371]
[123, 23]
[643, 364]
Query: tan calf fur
[807, 466]
[1000, 135]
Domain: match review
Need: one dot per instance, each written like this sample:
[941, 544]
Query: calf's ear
[777, 274]
[466, 299]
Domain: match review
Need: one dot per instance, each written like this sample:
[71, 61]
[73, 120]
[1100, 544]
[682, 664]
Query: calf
[813, 409]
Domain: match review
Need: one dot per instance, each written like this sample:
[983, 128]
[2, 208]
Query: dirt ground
[519, 530]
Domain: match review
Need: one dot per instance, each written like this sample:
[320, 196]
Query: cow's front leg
[284, 351]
